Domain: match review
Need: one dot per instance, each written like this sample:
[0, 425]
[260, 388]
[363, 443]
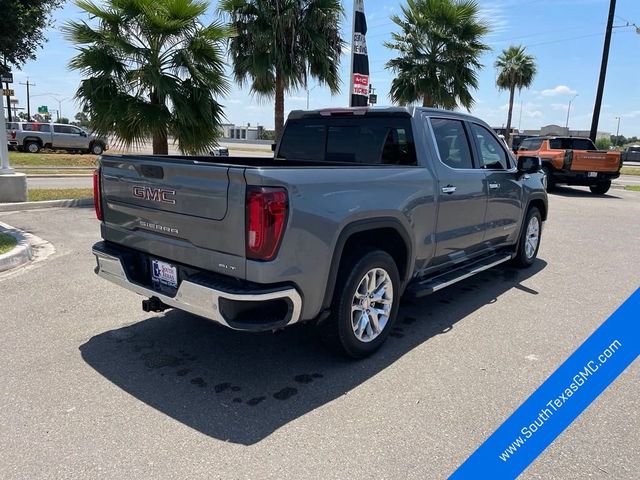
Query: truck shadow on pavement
[576, 192]
[241, 387]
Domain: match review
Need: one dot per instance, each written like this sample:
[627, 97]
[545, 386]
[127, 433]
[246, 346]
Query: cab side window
[492, 155]
[452, 143]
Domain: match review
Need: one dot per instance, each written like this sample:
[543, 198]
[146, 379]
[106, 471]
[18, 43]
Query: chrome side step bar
[431, 285]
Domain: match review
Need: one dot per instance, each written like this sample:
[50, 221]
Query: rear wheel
[365, 304]
[32, 147]
[97, 149]
[529, 242]
[600, 188]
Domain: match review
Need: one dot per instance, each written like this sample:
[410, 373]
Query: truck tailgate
[177, 209]
[584, 161]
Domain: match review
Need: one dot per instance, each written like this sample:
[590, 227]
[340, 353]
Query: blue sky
[565, 36]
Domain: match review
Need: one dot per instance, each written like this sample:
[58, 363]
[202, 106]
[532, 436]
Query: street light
[615, 144]
[56, 97]
[566, 125]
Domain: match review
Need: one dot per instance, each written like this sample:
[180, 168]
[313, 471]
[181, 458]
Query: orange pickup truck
[574, 161]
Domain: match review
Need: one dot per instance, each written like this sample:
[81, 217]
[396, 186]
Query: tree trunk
[160, 141]
[279, 107]
[507, 134]
[426, 101]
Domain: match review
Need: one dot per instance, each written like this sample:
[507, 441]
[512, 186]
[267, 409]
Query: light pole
[615, 144]
[566, 125]
[56, 97]
[308, 92]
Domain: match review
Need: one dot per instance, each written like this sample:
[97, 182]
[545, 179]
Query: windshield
[530, 144]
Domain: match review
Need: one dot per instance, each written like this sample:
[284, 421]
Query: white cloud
[559, 90]
[632, 114]
[559, 106]
[533, 113]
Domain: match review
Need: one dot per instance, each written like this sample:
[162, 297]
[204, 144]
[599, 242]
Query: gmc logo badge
[155, 194]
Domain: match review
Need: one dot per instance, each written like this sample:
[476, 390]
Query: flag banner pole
[359, 81]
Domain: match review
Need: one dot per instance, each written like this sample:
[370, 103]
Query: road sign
[43, 109]
[373, 99]
[6, 77]
[8, 92]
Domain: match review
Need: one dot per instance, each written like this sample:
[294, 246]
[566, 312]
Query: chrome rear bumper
[203, 300]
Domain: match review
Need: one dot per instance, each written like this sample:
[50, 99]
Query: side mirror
[83, 134]
[529, 164]
[273, 147]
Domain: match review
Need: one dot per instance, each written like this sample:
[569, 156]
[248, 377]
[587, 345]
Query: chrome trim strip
[470, 273]
[192, 297]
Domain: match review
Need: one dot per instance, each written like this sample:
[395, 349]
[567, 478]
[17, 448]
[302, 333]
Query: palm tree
[151, 69]
[278, 44]
[516, 69]
[439, 46]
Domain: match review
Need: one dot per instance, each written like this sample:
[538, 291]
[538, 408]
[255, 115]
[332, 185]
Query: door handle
[493, 185]
[449, 189]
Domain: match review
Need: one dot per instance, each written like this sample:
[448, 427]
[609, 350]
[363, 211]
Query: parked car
[631, 154]
[32, 136]
[358, 208]
[574, 161]
[219, 152]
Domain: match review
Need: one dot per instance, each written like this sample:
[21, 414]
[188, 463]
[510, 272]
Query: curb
[20, 254]
[13, 207]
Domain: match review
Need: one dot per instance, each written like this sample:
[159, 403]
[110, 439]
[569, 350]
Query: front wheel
[365, 304]
[549, 181]
[600, 188]
[529, 242]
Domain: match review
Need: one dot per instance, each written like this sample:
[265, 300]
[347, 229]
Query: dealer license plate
[164, 273]
[592, 174]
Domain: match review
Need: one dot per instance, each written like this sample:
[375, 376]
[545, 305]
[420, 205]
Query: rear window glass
[571, 144]
[37, 127]
[12, 126]
[530, 144]
[385, 141]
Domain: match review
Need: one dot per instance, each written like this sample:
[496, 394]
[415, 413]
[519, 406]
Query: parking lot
[93, 387]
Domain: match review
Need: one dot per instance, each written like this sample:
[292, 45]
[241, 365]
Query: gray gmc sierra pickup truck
[357, 208]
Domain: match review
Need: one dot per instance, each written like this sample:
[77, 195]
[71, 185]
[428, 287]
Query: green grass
[21, 159]
[633, 188]
[40, 194]
[35, 171]
[630, 171]
[7, 242]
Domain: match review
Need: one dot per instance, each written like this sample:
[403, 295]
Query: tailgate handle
[152, 171]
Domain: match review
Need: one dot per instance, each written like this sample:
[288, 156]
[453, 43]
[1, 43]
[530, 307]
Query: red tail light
[97, 194]
[13, 134]
[267, 209]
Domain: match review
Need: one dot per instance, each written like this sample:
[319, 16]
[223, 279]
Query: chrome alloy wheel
[533, 237]
[371, 305]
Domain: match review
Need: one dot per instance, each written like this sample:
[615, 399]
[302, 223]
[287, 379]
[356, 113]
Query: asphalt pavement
[93, 387]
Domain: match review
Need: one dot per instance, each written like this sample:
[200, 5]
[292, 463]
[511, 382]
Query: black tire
[338, 331]
[96, 148]
[551, 184]
[31, 147]
[600, 188]
[525, 257]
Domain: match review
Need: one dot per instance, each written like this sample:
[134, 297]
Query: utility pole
[520, 120]
[28, 98]
[615, 144]
[603, 72]
[566, 125]
[6, 85]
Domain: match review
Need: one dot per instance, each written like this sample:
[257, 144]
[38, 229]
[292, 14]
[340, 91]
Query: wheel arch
[390, 235]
